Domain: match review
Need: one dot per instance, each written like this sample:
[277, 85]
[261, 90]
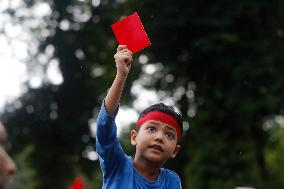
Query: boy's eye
[151, 129]
[170, 135]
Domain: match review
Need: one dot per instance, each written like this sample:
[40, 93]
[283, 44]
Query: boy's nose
[159, 137]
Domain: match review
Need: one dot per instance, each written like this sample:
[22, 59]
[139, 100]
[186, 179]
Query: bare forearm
[114, 94]
[123, 59]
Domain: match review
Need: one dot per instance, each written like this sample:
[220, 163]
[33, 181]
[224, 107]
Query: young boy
[7, 165]
[156, 138]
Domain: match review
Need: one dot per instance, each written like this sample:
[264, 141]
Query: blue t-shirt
[117, 167]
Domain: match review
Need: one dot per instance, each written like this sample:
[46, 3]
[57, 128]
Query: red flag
[77, 184]
[130, 31]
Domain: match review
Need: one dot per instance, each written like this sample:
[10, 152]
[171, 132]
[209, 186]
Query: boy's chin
[153, 158]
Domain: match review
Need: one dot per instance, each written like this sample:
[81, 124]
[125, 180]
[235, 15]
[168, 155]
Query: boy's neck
[148, 170]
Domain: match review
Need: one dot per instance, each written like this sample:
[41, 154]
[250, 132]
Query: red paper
[77, 184]
[130, 31]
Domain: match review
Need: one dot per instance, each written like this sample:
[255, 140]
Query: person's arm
[111, 154]
[123, 60]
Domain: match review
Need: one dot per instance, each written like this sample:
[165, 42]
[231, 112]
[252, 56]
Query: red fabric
[77, 184]
[130, 31]
[162, 117]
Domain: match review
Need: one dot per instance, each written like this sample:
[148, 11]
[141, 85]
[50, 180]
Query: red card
[77, 184]
[130, 31]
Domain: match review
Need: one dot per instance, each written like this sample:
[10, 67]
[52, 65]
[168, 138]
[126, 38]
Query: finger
[116, 55]
[122, 55]
[121, 47]
[126, 59]
[129, 60]
[129, 65]
[126, 50]
[130, 51]
[126, 53]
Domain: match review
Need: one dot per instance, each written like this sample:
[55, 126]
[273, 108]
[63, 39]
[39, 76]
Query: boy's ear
[175, 152]
[133, 135]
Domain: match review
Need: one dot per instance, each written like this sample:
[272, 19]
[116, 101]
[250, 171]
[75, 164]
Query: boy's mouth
[157, 147]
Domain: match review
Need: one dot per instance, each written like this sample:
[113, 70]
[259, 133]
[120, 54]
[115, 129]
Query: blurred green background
[220, 63]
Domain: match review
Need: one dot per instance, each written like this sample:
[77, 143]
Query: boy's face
[155, 142]
[7, 166]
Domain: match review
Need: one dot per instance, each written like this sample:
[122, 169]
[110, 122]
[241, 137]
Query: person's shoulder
[171, 175]
[171, 179]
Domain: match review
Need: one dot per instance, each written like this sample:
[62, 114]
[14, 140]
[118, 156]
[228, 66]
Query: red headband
[162, 117]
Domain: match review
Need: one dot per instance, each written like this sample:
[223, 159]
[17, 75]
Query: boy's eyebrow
[153, 122]
[168, 127]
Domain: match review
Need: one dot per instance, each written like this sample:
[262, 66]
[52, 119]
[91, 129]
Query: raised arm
[123, 60]
[111, 154]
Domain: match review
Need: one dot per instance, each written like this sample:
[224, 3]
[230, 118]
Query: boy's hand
[123, 60]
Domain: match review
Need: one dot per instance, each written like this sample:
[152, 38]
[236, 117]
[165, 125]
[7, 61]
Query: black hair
[161, 107]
